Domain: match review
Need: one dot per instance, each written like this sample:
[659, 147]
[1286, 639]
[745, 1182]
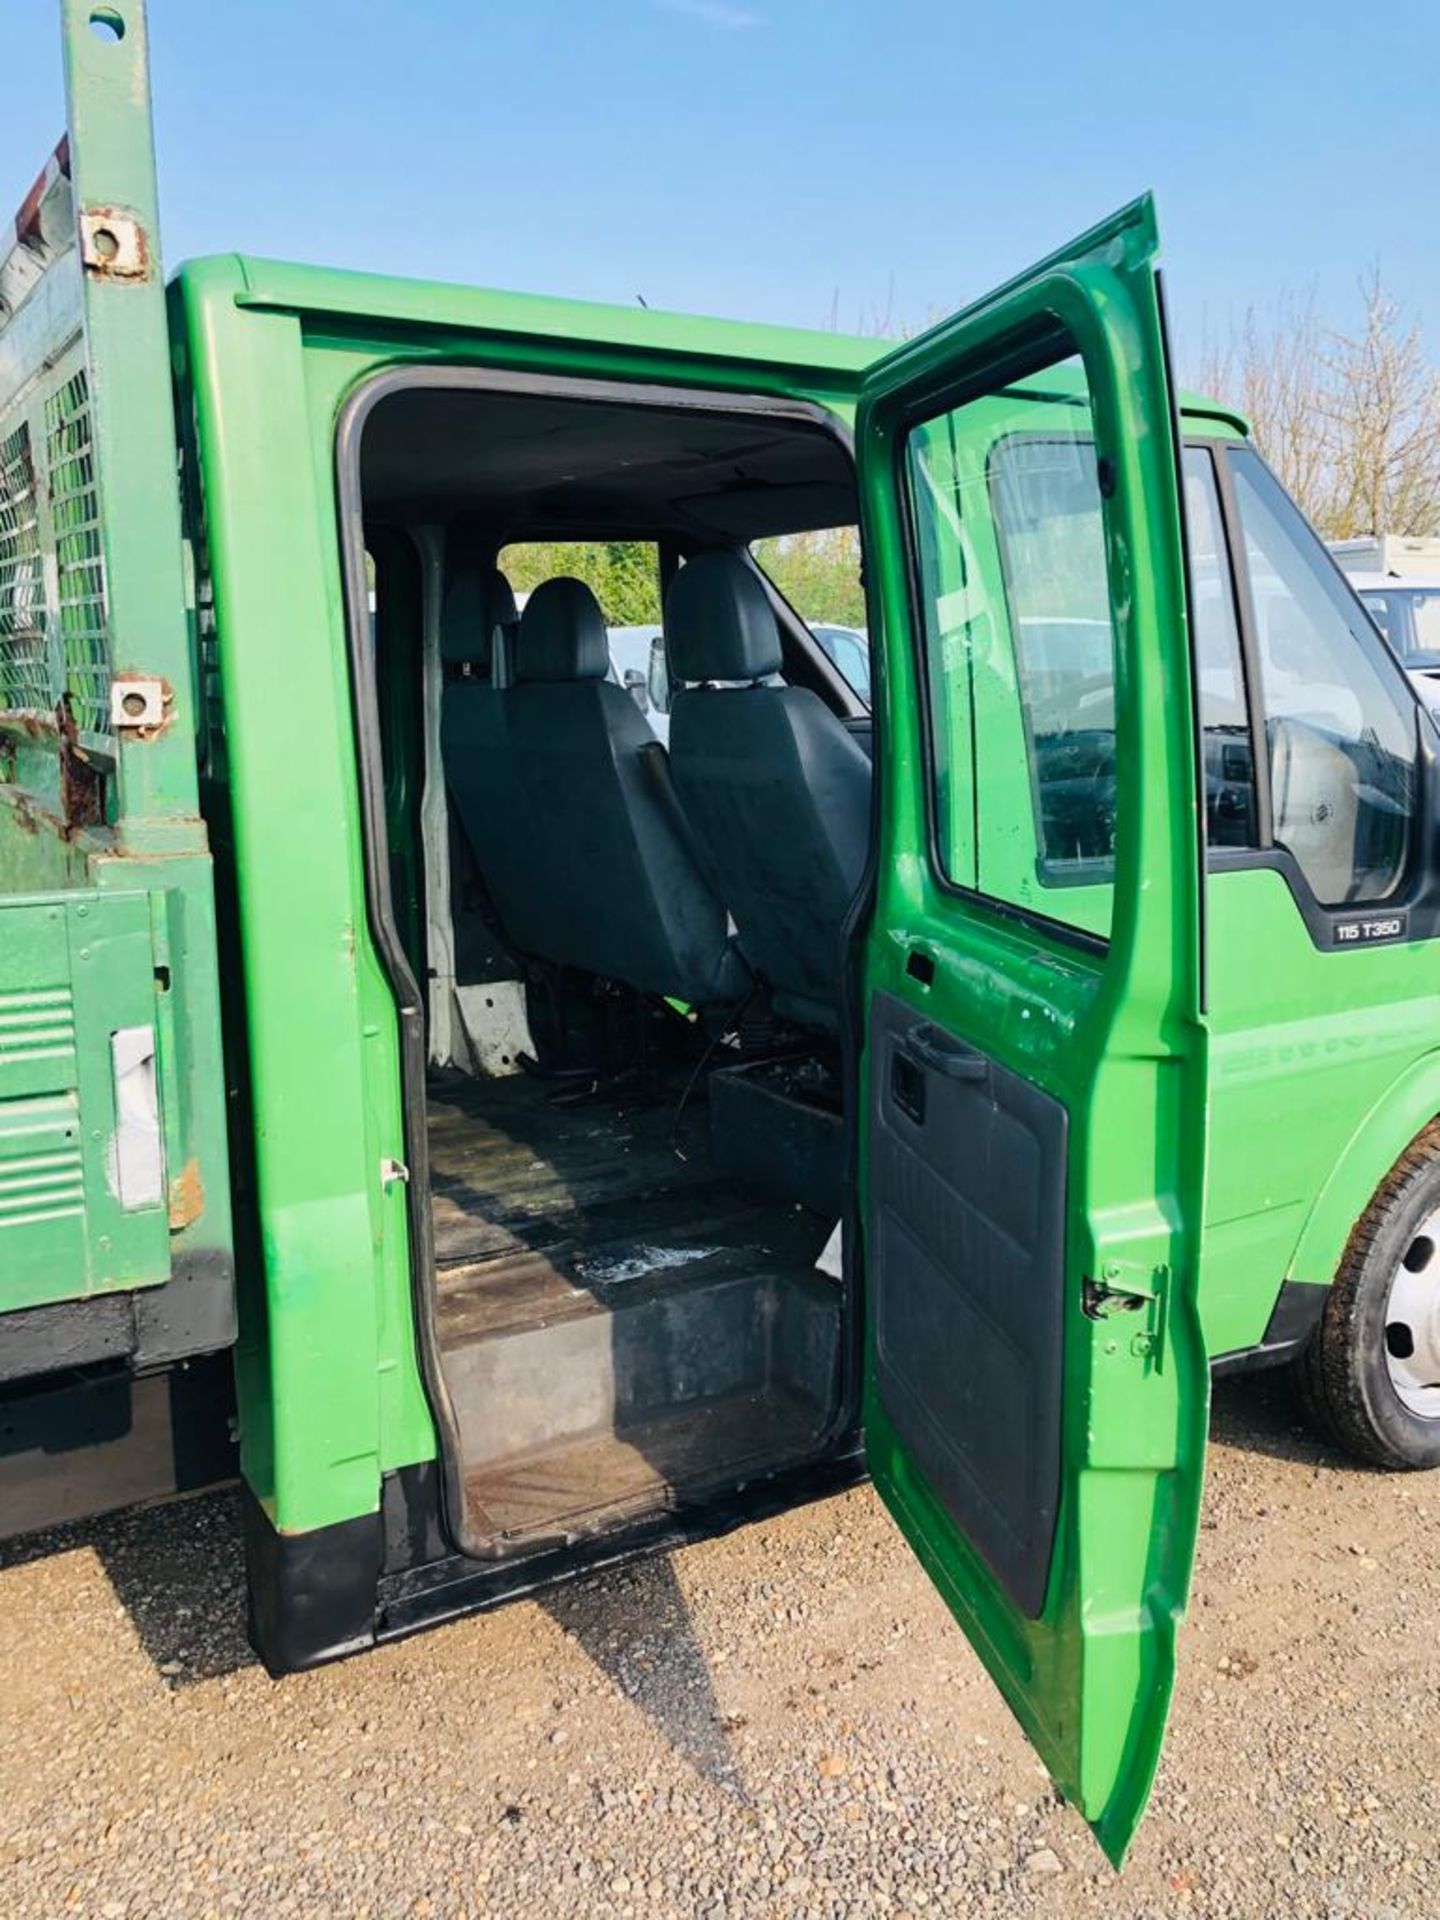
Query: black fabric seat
[586, 858]
[477, 618]
[776, 786]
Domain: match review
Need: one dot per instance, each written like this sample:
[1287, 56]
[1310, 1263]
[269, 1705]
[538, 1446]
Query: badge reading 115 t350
[1364, 930]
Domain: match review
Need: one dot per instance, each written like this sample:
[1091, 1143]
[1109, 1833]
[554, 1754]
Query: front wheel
[1371, 1373]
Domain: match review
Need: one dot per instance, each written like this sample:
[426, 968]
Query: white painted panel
[139, 1157]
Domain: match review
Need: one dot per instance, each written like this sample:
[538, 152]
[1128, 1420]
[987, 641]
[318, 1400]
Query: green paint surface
[1221, 1139]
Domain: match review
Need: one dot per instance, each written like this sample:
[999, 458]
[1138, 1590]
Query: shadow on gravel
[179, 1572]
[635, 1625]
[1260, 1413]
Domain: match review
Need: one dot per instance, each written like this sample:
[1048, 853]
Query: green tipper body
[114, 1174]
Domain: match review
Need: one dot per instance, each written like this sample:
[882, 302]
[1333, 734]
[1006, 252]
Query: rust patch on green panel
[82, 784]
[187, 1196]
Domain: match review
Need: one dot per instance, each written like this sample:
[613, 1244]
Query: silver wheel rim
[1412, 1323]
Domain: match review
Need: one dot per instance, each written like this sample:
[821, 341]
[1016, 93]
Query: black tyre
[1370, 1376]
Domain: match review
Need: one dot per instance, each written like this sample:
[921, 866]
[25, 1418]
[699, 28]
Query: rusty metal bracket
[113, 244]
[137, 705]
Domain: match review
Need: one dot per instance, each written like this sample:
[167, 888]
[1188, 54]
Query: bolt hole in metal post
[106, 24]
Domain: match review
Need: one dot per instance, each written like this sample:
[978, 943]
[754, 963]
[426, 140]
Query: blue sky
[799, 160]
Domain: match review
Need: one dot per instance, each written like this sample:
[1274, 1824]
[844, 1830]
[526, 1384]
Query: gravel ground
[783, 1722]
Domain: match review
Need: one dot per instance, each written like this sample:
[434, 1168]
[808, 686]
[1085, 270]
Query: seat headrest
[562, 634]
[719, 624]
[477, 601]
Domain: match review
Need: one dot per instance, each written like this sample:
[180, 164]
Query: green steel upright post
[132, 424]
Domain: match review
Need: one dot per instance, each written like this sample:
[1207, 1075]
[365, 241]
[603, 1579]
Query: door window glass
[1224, 721]
[1019, 645]
[1339, 719]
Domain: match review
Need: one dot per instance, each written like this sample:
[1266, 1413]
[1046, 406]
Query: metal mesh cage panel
[79, 556]
[24, 647]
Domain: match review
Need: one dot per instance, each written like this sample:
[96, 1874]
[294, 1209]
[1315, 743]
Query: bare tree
[1351, 422]
[1381, 408]
[1271, 369]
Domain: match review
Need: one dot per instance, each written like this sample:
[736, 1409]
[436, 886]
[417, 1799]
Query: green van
[585, 1145]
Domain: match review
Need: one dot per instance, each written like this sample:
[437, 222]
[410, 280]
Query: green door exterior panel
[1113, 1034]
[73, 973]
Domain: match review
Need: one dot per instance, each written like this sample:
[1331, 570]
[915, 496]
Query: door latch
[1124, 1286]
[393, 1170]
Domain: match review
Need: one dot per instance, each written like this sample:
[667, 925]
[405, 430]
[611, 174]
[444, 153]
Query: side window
[1409, 618]
[1019, 648]
[1339, 720]
[623, 575]
[818, 573]
[1224, 720]
[1384, 612]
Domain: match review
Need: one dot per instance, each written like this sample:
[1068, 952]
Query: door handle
[932, 1047]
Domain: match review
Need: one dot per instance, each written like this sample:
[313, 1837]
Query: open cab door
[1033, 1070]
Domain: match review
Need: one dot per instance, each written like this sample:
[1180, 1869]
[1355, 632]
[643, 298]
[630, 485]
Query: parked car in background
[849, 649]
[637, 663]
[1398, 580]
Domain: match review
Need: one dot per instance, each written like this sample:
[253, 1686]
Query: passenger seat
[777, 787]
[586, 854]
[477, 621]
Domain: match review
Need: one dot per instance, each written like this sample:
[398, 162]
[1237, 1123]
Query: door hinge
[393, 1170]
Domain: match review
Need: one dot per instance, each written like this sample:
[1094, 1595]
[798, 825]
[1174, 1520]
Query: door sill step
[587, 1485]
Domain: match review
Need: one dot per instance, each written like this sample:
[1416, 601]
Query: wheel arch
[1407, 1106]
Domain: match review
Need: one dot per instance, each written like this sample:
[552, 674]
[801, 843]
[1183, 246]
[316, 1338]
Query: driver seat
[775, 786]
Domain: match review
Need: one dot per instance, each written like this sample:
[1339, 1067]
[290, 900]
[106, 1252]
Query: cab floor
[516, 1162]
[620, 1327]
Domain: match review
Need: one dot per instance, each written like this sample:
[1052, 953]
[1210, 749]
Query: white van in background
[1398, 579]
